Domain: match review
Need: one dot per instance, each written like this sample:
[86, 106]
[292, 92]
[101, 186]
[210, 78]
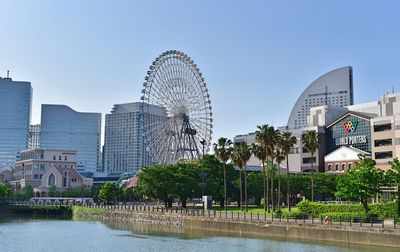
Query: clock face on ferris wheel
[175, 88]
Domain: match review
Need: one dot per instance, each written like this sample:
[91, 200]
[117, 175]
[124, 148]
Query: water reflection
[36, 235]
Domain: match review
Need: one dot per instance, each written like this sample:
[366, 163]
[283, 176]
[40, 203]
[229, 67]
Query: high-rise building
[34, 136]
[15, 114]
[65, 128]
[124, 147]
[333, 88]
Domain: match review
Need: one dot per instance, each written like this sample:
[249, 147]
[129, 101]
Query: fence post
[265, 216]
[304, 219]
[360, 222]
[238, 215]
[232, 215]
[370, 219]
[394, 222]
[251, 215]
[351, 218]
[258, 216]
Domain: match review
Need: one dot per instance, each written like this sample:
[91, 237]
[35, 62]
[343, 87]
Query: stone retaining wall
[320, 233]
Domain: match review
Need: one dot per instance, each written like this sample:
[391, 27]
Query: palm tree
[222, 150]
[279, 157]
[259, 151]
[268, 137]
[311, 141]
[240, 155]
[287, 142]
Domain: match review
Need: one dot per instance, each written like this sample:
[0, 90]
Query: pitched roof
[362, 115]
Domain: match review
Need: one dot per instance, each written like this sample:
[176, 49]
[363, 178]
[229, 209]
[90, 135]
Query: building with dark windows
[333, 88]
[65, 128]
[15, 114]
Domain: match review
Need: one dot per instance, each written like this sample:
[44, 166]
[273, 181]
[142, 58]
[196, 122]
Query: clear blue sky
[256, 56]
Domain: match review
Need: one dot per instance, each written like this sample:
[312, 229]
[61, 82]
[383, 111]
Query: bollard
[265, 216]
[258, 216]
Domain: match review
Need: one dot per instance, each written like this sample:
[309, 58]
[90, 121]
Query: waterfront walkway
[236, 216]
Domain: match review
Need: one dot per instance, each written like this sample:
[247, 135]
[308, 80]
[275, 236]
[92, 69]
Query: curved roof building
[332, 88]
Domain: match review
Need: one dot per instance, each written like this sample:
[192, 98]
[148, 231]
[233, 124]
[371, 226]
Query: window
[343, 167]
[383, 142]
[54, 157]
[382, 127]
[329, 167]
[383, 154]
[65, 158]
[336, 167]
[59, 157]
[350, 166]
[309, 160]
[52, 180]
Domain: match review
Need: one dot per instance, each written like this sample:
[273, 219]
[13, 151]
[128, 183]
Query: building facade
[15, 114]
[124, 145]
[62, 179]
[34, 163]
[333, 88]
[34, 136]
[65, 128]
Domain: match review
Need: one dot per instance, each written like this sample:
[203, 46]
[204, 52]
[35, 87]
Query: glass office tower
[65, 128]
[124, 148]
[15, 114]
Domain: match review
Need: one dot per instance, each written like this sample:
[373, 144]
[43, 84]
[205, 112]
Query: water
[66, 235]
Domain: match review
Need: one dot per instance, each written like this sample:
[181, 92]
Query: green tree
[5, 194]
[215, 178]
[311, 141]
[52, 191]
[222, 150]
[108, 192]
[260, 152]
[185, 176]
[279, 157]
[240, 155]
[395, 174]
[287, 141]
[157, 182]
[361, 183]
[28, 192]
[268, 137]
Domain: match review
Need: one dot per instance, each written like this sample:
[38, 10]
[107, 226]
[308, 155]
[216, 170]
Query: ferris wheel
[176, 109]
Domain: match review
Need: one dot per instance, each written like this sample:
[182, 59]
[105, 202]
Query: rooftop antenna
[8, 74]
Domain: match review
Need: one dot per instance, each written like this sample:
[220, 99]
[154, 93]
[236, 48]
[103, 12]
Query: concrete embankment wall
[317, 233]
[320, 233]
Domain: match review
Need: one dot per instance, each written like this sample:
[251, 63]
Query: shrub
[316, 209]
[345, 216]
[384, 210]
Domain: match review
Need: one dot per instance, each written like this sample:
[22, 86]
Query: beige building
[61, 178]
[34, 163]
[6, 176]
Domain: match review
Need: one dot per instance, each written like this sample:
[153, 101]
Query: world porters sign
[351, 140]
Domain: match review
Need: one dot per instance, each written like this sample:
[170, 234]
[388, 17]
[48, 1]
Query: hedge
[383, 210]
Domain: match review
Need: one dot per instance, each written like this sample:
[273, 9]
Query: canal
[27, 234]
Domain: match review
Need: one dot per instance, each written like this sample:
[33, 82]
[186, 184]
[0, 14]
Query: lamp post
[202, 174]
